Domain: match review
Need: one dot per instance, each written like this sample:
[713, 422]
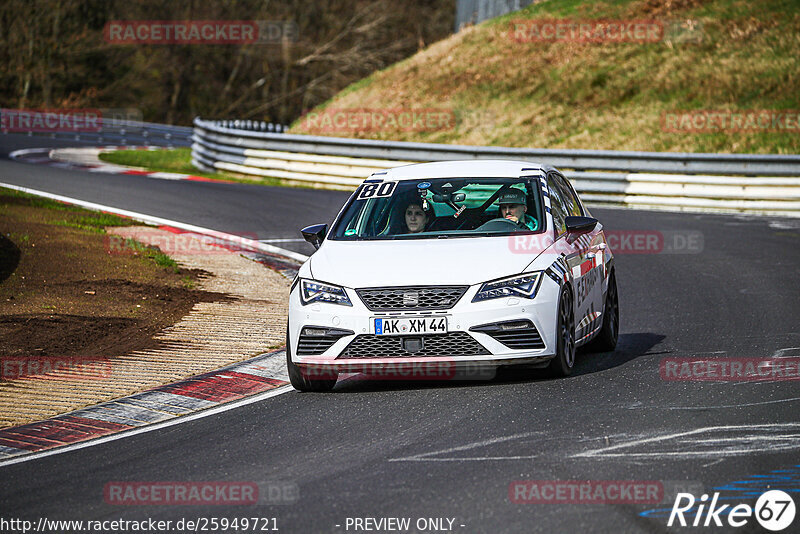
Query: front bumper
[350, 323]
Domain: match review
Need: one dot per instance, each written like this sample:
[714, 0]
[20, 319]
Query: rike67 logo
[774, 510]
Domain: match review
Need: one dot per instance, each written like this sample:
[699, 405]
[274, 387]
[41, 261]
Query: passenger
[514, 207]
[416, 217]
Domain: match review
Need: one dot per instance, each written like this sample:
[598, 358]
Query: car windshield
[441, 207]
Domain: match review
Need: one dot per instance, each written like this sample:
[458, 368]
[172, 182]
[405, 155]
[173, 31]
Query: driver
[514, 207]
[416, 217]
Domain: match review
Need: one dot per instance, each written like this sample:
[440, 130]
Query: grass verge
[56, 258]
[179, 160]
[714, 55]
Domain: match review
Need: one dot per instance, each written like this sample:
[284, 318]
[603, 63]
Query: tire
[301, 381]
[606, 339]
[564, 361]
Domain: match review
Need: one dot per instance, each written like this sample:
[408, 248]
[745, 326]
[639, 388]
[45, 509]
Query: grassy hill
[735, 55]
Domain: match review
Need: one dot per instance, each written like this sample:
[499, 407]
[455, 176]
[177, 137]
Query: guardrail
[126, 132]
[687, 181]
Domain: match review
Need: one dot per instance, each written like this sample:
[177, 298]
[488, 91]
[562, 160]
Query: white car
[452, 265]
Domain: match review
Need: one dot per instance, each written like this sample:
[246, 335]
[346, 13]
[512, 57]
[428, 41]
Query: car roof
[473, 168]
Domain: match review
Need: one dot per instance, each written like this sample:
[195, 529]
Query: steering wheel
[469, 218]
[498, 224]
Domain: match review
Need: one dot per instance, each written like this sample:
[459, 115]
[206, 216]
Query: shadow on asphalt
[629, 347]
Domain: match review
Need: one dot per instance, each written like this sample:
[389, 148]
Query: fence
[475, 11]
[126, 132]
[687, 181]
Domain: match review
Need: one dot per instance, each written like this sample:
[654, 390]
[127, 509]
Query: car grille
[450, 344]
[518, 335]
[316, 340]
[411, 297]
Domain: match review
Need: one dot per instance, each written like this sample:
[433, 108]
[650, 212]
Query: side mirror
[580, 225]
[449, 197]
[315, 234]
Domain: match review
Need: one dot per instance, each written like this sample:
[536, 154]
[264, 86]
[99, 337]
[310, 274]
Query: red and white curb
[88, 159]
[202, 394]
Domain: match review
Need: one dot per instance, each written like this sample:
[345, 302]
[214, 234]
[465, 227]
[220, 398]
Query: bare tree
[53, 54]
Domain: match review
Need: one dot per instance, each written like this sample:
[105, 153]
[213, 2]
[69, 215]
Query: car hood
[451, 261]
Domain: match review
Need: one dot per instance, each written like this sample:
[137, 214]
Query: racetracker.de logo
[441, 370]
[180, 493]
[178, 243]
[619, 241]
[372, 120]
[55, 368]
[731, 121]
[729, 369]
[586, 491]
[166, 32]
[586, 31]
[50, 120]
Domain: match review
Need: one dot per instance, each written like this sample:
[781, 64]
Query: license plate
[411, 325]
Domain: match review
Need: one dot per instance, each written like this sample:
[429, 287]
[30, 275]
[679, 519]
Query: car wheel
[301, 381]
[564, 361]
[606, 339]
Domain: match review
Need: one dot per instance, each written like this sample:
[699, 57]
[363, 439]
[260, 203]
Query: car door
[564, 247]
[587, 266]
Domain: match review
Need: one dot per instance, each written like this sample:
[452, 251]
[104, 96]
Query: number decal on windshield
[379, 190]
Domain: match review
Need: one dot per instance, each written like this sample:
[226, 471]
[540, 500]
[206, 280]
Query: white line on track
[720, 407]
[426, 456]
[25, 151]
[757, 441]
[149, 219]
[156, 426]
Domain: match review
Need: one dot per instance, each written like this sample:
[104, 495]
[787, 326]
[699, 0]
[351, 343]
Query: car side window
[570, 199]
[557, 206]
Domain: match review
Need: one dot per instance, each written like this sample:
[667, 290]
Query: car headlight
[523, 286]
[311, 291]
